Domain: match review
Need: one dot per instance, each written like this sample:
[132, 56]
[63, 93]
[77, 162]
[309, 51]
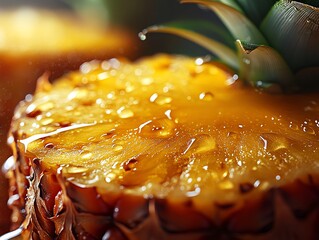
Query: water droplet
[193, 193]
[206, 96]
[78, 93]
[46, 121]
[142, 36]
[86, 155]
[256, 183]
[76, 169]
[117, 147]
[32, 111]
[130, 164]
[199, 61]
[160, 128]
[49, 145]
[125, 113]
[274, 142]
[309, 130]
[160, 100]
[168, 114]
[200, 144]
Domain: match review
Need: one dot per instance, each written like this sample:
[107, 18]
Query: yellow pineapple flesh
[34, 41]
[165, 148]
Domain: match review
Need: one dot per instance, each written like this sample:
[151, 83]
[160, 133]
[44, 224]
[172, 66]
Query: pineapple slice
[34, 41]
[165, 148]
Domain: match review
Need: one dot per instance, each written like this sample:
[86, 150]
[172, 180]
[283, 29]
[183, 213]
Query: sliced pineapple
[165, 148]
[34, 41]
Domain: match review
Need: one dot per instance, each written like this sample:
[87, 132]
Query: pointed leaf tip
[223, 52]
[263, 67]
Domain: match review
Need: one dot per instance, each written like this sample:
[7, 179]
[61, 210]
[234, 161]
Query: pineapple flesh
[164, 148]
[34, 41]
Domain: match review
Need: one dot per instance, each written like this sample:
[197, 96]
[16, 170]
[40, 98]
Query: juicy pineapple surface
[165, 148]
[34, 41]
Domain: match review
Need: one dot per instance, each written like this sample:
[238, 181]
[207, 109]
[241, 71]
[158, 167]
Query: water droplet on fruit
[199, 61]
[46, 121]
[206, 96]
[160, 100]
[117, 147]
[76, 169]
[142, 35]
[49, 145]
[32, 111]
[130, 164]
[125, 113]
[159, 127]
[274, 142]
[78, 93]
[309, 130]
[200, 144]
[86, 155]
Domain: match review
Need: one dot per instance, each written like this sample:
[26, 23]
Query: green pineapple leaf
[263, 67]
[297, 33]
[224, 53]
[256, 10]
[231, 3]
[238, 24]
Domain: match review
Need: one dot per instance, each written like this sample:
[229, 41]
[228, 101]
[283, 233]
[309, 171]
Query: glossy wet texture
[185, 136]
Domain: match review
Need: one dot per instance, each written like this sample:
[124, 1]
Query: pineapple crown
[275, 44]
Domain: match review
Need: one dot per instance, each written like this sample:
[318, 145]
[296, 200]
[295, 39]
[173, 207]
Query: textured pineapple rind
[85, 213]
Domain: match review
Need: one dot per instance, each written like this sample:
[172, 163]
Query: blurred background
[34, 41]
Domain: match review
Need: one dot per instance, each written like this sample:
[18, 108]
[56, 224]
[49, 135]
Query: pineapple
[35, 41]
[170, 147]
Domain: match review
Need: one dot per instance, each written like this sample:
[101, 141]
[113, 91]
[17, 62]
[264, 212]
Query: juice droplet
[160, 100]
[142, 36]
[206, 96]
[117, 147]
[125, 113]
[130, 164]
[86, 155]
[75, 169]
[274, 142]
[309, 130]
[162, 128]
[49, 145]
[200, 144]
[46, 121]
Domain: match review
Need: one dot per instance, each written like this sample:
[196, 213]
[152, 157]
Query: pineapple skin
[60, 205]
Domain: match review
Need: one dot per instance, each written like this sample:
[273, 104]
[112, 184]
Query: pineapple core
[168, 127]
